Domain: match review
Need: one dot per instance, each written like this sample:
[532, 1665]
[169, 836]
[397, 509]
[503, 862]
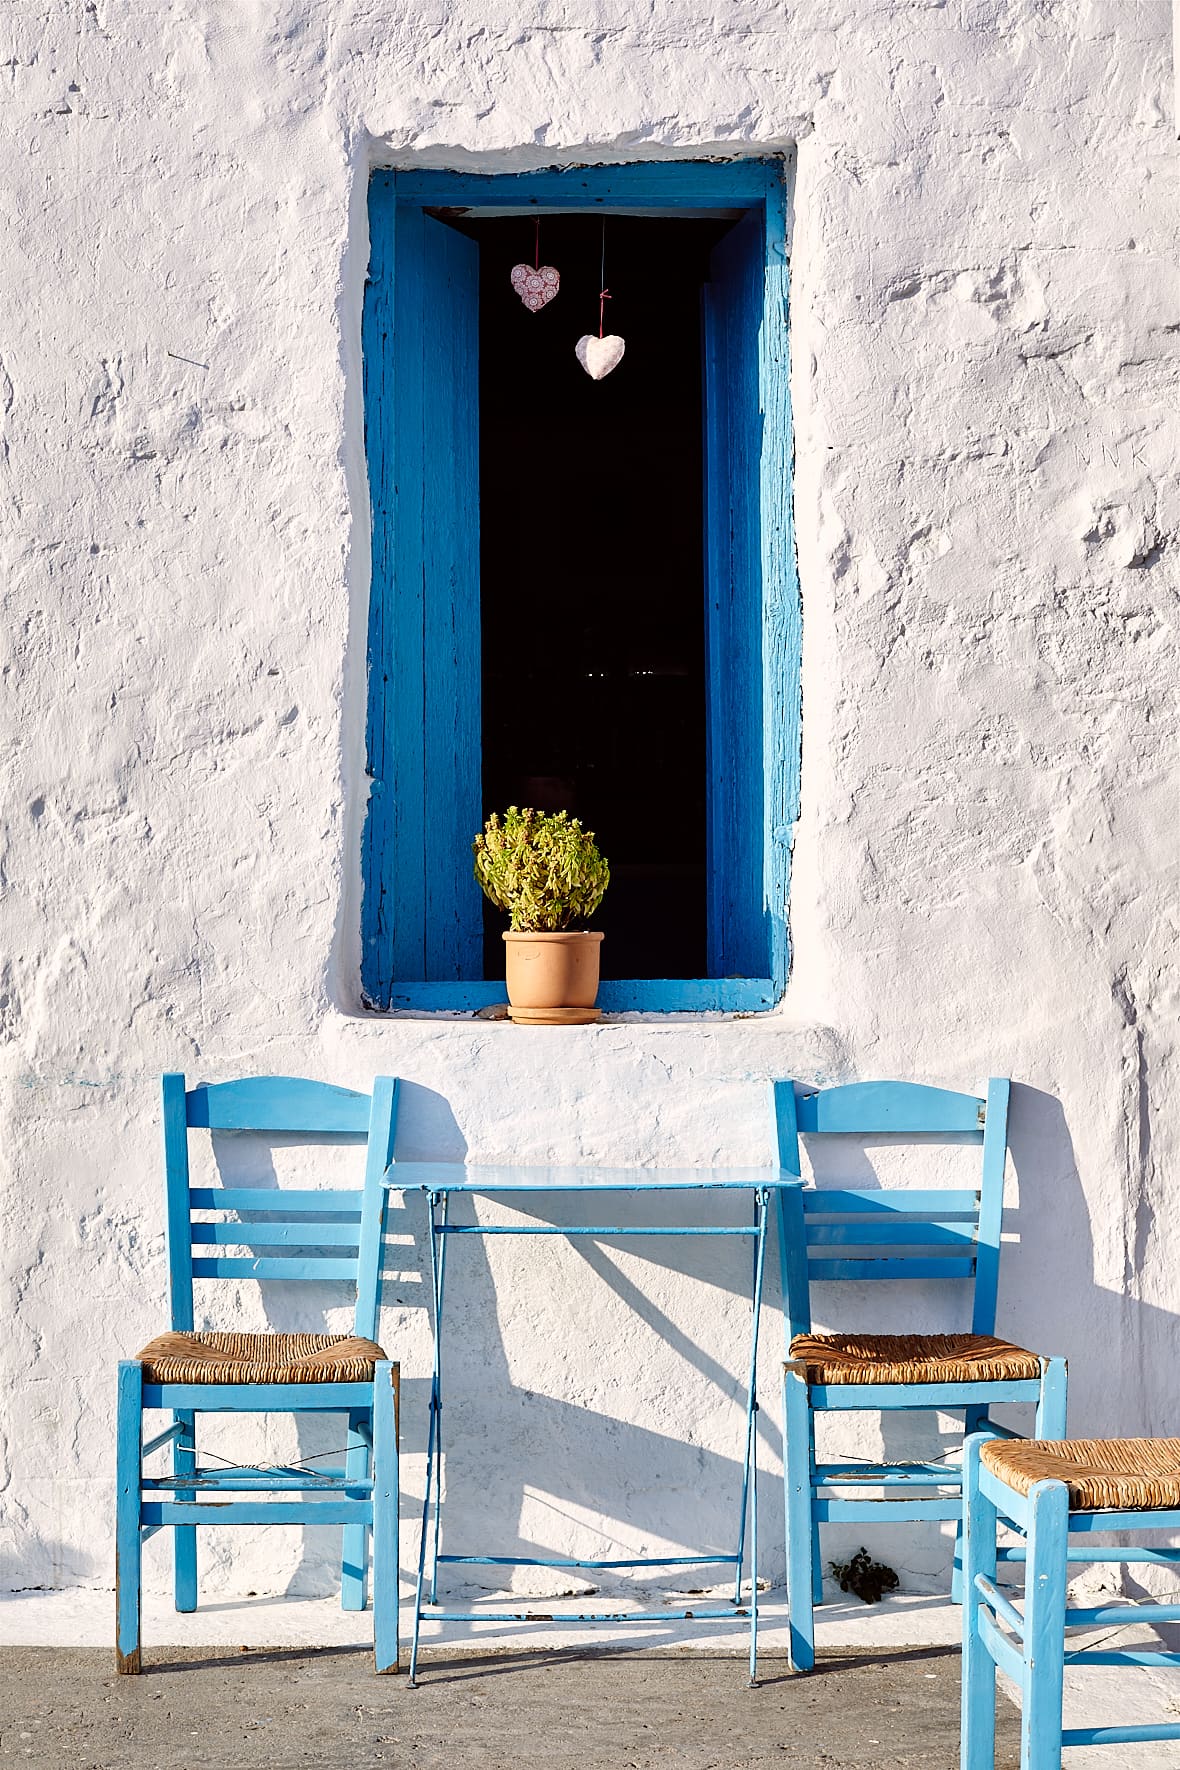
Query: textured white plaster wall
[985, 381]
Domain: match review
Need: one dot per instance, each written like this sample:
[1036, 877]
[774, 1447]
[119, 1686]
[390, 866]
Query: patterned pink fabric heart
[535, 287]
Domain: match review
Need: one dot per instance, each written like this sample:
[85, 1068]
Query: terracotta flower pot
[552, 970]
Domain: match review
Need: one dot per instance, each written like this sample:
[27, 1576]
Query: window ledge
[658, 995]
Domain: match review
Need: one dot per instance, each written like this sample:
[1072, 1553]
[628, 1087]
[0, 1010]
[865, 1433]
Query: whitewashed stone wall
[985, 384]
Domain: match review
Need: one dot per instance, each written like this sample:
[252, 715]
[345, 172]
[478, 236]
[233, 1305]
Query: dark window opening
[592, 568]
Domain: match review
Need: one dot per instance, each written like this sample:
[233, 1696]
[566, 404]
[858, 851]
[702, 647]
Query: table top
[477, 1177]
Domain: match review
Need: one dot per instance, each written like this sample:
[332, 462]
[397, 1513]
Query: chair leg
[978, 1721]
[128, 1493]
[385, 1518]
[1046, 1580]
[1051, 1408]
[817, 1566]
[798, 1483]
[184, 1460]
[354, 1565]
[973, 1419]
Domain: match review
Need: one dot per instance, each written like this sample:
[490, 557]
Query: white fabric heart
[535, 287]
[598, 356]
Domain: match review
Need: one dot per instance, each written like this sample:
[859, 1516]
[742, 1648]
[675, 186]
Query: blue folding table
[440, 1182]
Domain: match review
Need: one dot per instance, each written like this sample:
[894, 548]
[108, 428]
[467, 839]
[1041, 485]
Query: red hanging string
[537, 245]
[603, 298]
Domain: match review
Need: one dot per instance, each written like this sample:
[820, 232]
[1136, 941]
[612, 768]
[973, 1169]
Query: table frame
[439, 1182]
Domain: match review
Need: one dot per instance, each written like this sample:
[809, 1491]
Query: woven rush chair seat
[913, 1358]
[1121, 1474]
[259, 1358]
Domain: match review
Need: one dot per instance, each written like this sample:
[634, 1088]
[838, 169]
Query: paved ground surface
[284, 1708]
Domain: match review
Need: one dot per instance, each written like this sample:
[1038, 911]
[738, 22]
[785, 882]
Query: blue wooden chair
[290, 1235]
[835, 1234]
[1046, 1493]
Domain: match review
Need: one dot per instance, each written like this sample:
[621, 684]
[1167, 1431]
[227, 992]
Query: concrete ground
[287, 1709]
[237, 1685]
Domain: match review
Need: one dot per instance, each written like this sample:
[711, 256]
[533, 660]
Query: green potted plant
[547, 872]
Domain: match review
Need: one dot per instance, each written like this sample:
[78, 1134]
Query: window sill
[659, 995]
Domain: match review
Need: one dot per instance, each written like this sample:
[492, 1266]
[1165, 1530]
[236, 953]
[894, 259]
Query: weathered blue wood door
[750, 600]
[422, 917]
[733, 600]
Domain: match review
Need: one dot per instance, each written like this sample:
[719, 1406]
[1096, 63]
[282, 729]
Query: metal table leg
[432, 1434]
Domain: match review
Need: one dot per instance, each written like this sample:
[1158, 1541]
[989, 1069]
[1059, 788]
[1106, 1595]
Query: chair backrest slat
[904, 1231]
[277, 1235]
[842, 1269]
[222, 1266]
[336, 1233]
[875, 1108]
[278, 1103]
[841, 1233]
[897, 1201]
[340, 1202]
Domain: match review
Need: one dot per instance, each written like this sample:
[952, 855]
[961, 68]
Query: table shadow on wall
[1121, 1350]
[512, 1450]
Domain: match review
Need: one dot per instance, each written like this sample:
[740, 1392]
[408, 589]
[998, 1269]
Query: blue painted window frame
[762, 694]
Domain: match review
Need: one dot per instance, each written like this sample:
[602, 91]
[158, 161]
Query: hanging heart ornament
[535, 287]
[598, 356]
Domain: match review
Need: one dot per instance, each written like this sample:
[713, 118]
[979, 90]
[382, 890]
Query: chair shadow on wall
[247, 1161]
[1120, 1349]
[1124, 1352]
[318, 1307]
